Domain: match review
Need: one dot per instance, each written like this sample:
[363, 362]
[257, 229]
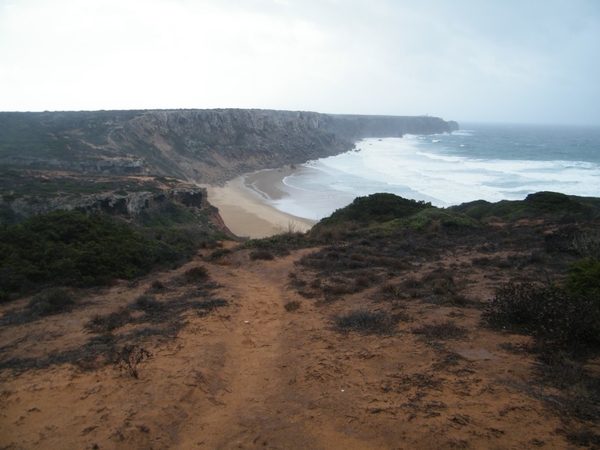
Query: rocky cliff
[145, 200]
[206, 146]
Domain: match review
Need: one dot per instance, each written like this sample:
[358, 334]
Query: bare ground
[247, 373]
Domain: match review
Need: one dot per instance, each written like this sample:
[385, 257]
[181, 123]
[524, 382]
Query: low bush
[441, 331]
[73, 249]
[391, 290]
[381, 207]
[51, 301]
[434, 220]
[548, 313]
[366, 322]
[279, 244]
[109, 322]
[218, 253]
[148, 304]
[262, 254]
[130, 358]
[339, 289]
[157, 285]
[362, 282]
[534, 205]
[195, 274]
[292, 305]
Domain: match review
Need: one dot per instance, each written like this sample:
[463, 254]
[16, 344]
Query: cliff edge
[203, 146]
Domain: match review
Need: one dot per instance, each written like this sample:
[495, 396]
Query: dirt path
[253, 349]
[254, 375]
[262, 405]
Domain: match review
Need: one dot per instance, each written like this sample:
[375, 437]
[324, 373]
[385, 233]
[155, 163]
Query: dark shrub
[482, 262]
[157, 285]
[262, 254]
[109, 322]
[412, 283]
[195, 274]
[362, 282]
[130, 358]
[524, 307]
[148, 304]
[218, 253]
[367, 322]
[292, 305]
[51, 301]
[548, 313]
[442, 330]
[339, 289]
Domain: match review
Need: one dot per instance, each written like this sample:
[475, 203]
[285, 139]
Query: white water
[448, 170]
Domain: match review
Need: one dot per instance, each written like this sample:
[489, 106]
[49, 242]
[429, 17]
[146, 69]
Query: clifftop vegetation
[404, 314]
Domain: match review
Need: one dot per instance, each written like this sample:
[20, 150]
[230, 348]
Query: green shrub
[381, 207]
[540, 203]
[71, 248]
[554, 202]
[584, 278]
[431, 219]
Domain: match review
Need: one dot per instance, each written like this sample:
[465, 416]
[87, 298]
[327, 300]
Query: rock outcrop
[137, 199]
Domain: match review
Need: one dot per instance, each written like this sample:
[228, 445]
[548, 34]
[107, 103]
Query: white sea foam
[444, 170]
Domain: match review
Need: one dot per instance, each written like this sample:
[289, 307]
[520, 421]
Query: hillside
[203, 146]
[131, 319]
[420, 328]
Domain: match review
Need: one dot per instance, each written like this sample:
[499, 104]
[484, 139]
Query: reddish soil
[251, 374]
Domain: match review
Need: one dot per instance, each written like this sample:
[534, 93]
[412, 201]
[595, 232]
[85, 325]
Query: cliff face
[355, 127]
[206, 146]
[139, 199]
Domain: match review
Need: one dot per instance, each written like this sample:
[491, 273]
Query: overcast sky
[535, 61]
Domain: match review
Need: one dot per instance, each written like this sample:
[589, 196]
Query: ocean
[481, 161]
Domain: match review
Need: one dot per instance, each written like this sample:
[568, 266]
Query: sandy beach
[244, 204]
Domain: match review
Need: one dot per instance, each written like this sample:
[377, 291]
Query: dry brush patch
[367, 322]
[441, 331]
[146, 319]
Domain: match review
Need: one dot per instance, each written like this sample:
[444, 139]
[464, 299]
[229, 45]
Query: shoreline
[244, 206]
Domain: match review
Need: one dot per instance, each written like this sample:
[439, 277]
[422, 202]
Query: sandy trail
[253, 375]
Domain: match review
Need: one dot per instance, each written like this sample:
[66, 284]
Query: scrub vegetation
[404, 309]
[66, 248]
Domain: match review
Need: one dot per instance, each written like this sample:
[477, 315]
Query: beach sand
[244, 204]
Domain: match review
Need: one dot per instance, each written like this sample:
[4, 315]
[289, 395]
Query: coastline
[244, 204]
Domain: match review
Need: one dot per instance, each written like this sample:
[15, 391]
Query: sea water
[481, 161]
